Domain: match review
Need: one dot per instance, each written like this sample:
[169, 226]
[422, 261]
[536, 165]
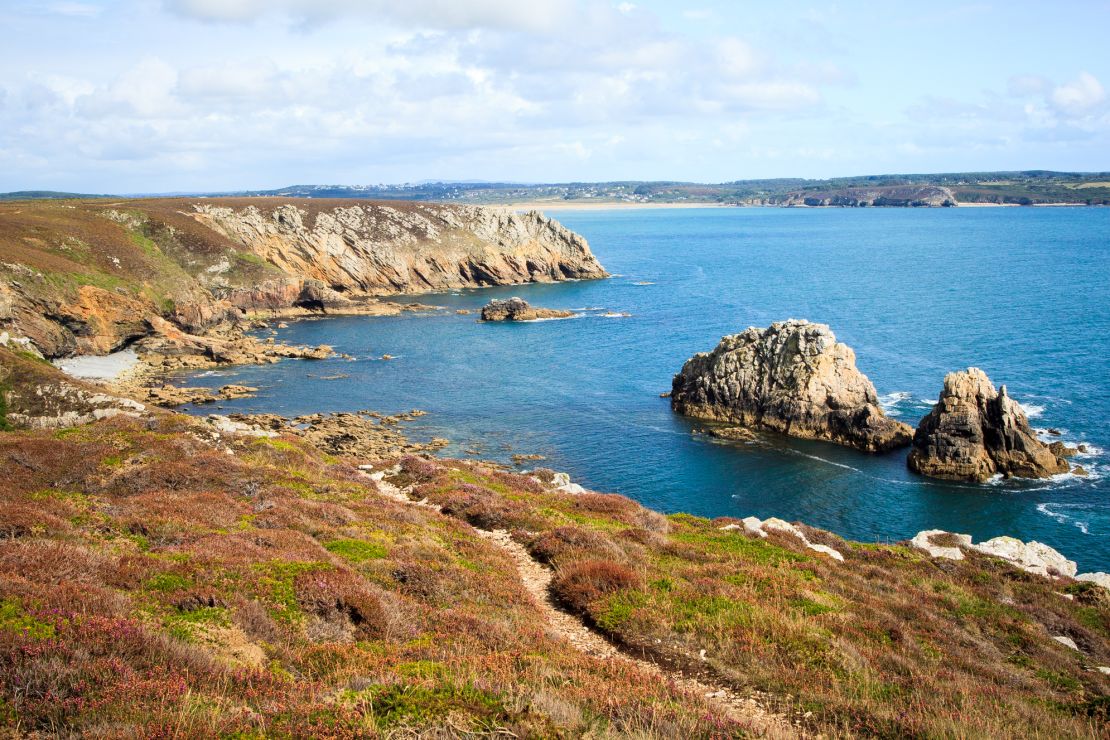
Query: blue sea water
[1023, 293]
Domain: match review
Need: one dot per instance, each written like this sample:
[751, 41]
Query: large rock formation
[792, 377]
[518, 309]
[378, 248]
[975, 432]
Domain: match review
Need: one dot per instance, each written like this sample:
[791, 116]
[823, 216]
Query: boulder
[975, 432]
[792, 377]
[517, 309]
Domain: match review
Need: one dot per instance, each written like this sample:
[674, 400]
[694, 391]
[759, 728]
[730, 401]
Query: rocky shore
[792, 377]
[975, 432]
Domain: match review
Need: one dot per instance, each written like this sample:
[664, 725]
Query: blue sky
[166, 95]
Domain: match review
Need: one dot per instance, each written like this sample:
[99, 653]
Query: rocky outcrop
[406, 248]
[1032, 557]
[517, 309]
[975, 432]
[792, 377]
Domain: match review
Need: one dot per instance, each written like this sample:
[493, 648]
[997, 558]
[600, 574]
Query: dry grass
[888, 643]
[153, 586]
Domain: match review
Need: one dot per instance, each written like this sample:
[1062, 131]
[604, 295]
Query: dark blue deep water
[1023, 293]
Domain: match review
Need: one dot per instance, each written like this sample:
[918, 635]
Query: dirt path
[536, 578]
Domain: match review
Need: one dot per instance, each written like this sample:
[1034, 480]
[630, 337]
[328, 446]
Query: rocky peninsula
[975, 432]
[95, 276]
[792, 377]
[518, 309]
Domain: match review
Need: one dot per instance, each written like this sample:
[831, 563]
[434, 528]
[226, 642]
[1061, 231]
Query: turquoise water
[1022, 293]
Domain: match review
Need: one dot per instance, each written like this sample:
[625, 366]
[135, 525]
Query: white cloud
[737, 58]
[1079, 96]
[535, 15]
[77, 10]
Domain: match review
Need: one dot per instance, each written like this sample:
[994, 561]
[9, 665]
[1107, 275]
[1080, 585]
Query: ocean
[1023, 293]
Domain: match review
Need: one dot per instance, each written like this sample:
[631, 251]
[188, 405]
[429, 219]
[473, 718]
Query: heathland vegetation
[162, 578]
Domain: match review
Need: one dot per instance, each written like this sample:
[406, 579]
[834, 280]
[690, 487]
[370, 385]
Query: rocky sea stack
[975, 432]
[792, 377]
[518, 309]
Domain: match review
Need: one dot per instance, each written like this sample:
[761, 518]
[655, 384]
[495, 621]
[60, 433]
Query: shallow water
[1022, 293]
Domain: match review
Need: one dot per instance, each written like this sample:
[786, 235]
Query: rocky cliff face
[377, 248]
[975, 432]
[85, 277]
[792, 377]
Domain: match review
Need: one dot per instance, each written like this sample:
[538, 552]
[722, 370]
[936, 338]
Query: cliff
[395, 248]
[86, 276]
[975, 432]
[792, 377]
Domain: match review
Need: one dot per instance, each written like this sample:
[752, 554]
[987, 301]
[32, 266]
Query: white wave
[1032, 410]
[927, 402]
[1092, 450]
[644, 282]
[616, 315]
[890, 400]
[588, 308]
[1048, 507]
[552, 318]
[830, 462]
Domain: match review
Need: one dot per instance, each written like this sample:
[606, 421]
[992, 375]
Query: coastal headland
[200, 576]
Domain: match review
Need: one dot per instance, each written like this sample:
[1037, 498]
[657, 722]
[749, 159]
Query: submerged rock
[517, 309]
[792, 377]
[975, 432]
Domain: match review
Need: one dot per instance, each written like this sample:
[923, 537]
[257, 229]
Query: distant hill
[1028, 187]
[46, 195]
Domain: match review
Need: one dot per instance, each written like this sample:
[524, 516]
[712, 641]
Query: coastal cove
[1021, 293]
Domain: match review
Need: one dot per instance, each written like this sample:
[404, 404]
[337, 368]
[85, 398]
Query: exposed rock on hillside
[792, 377]
[379, 248]
[517, 309]
[890, 195]
[1032, 557]
[975, 432]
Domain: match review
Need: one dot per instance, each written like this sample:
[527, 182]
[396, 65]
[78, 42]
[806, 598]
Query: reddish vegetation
[581, 584]
[157, 581]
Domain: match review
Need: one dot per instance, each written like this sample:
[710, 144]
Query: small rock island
[975, 432]
[518, 309]
[792, 377]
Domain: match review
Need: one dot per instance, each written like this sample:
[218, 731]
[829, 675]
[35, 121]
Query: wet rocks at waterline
[975, 432]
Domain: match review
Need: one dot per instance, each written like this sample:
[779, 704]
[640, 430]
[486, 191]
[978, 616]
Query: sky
[129, 96]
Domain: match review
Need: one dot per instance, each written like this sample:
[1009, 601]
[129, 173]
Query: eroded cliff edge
[88, 277]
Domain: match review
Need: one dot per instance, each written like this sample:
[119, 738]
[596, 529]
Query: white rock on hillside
[753, 526]
[924, 541]
[1034, 557]
[1098, 578]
